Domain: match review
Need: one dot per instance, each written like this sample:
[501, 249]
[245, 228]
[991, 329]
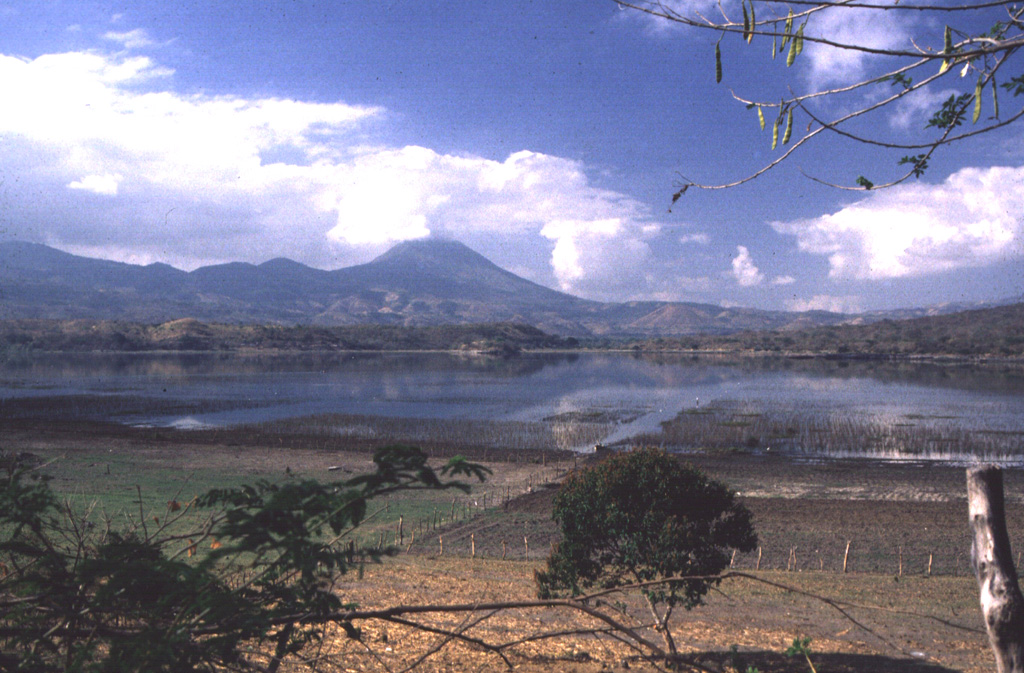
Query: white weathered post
[1002, 604]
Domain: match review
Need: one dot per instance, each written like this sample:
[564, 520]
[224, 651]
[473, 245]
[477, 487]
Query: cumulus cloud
[824, 302]
[654, 23]
[699, 238]
[844, 25]
[783, 280]
[105, 184]
[975, 217]
[914, 110]
[194, 178]
[132, 39]
[391, 195]
[744, 270]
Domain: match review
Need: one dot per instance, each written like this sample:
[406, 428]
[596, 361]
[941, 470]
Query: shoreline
[829, 356]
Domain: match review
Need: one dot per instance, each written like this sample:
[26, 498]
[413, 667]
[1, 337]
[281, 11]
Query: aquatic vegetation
[835, 433]
[560, 432]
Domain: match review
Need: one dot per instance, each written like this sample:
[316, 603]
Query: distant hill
[987, 332]
[415, 284]
[19, 337]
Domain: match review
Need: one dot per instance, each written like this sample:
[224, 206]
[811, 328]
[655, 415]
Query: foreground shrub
[641, 516]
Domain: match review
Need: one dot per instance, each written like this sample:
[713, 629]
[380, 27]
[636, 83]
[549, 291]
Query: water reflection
[574, 396]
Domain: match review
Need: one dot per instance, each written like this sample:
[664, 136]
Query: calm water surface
[636, 393]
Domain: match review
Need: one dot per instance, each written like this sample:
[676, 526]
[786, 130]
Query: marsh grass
[732, 425]
[558, 432]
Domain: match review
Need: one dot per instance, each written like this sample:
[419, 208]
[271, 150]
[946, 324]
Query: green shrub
[640, 516]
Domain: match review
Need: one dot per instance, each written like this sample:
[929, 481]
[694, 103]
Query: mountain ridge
[428, 282]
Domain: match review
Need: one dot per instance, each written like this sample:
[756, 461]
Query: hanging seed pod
[947, 48]
[753, 23]
[977, 100]
[787, 31]
[718, 64]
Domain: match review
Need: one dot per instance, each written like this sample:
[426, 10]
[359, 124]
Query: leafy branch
[790, 26]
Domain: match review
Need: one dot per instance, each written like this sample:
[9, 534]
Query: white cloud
[132, 39]
[699, 238]
[196, 178]
[845, 25]
[783, 280]
[105, 184]
[744, 269]
[824, 302]
[391, 195]
[975, 217]
[915, 109]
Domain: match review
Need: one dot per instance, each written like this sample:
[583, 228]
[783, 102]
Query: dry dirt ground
[892, 615]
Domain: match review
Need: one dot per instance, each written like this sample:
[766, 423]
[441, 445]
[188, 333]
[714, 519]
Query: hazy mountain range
[416, 283]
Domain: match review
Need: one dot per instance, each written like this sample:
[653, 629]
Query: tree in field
[250, 583]
[951, 59]
[643, 516]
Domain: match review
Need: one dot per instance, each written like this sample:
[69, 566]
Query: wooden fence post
[758, 567]
[440, 543]
[472, 544]
[1002, 604]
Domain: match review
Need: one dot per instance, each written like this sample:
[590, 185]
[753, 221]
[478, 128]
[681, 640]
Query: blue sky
[548, 136]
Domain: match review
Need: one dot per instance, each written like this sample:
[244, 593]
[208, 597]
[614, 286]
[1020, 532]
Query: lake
[877, 409]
